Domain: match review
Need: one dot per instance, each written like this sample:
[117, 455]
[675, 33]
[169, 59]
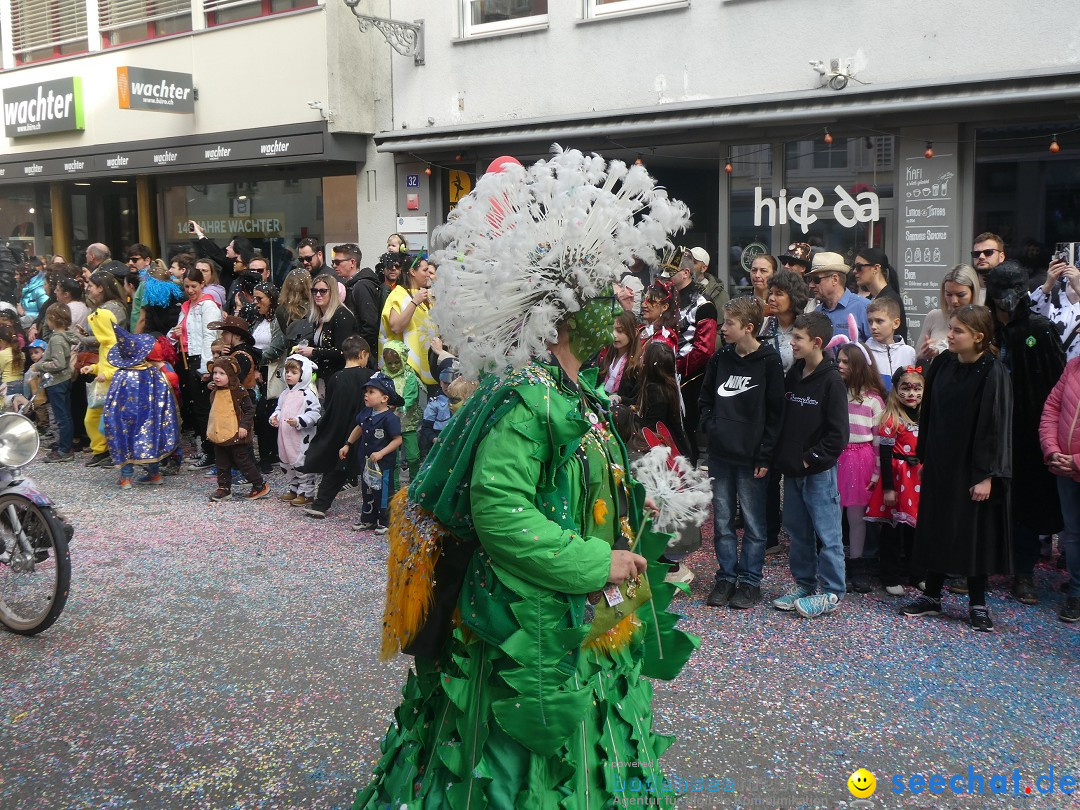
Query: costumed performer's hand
[626, 565]
[651, 507]
[981, 491]
[343, 452]
[1054, 273]
[242, 433]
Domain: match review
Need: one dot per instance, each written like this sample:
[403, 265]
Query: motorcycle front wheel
[35, 567]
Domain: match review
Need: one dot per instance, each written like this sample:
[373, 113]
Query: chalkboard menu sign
[929, 211]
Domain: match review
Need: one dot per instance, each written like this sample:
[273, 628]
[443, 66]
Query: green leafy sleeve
[517, 536]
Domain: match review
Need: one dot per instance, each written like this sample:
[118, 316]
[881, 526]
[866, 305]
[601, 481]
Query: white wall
[259, 74]
[715, 49]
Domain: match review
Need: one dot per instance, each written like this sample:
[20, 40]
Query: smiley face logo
[862, 784]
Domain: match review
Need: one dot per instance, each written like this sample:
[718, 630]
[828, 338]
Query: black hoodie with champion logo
[742, 404]
[815, 426]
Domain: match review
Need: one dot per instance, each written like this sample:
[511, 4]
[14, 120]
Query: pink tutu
[854, 470]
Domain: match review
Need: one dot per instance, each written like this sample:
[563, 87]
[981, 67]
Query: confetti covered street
[225, 656]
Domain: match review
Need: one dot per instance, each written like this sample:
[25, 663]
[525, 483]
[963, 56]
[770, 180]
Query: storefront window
[751, 170]
[839, 195]
[273, 214]
[26, 219]
[1025, 194]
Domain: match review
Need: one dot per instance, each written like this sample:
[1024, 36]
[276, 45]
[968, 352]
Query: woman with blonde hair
[332, 322]
[959, 288]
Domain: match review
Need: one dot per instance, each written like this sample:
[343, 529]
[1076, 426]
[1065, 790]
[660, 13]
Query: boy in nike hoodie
[741, 406]
[814, 433]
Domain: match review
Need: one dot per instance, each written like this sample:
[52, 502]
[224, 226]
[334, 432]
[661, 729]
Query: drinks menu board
[929, 213]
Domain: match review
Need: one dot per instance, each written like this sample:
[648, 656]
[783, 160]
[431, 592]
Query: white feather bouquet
[682, 493]
[530, 245]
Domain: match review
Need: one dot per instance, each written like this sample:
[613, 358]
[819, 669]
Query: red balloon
[499, 163]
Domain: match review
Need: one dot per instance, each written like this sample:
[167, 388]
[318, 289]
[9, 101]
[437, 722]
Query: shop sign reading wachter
[37, 109]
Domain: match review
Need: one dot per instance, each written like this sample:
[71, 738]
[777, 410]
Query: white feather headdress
[529, 245]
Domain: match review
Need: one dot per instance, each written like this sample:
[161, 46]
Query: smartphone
[191, 227]
[1065, 252]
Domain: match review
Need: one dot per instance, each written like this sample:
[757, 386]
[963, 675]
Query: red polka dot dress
[906, 474]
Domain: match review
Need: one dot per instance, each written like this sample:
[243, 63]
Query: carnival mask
[590, 327]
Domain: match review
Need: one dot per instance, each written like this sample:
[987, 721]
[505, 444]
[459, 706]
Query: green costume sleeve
[519, 539]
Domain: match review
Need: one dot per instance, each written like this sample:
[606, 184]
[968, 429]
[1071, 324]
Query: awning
[902, 101]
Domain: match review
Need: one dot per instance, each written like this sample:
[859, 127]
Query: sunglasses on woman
[319, 290]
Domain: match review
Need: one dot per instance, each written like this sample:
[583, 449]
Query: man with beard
[1031, 352]
[987, 252]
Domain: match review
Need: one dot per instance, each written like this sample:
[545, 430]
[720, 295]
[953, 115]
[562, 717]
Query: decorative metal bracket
[405, 38]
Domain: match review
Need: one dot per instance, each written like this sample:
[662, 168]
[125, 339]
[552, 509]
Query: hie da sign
[849, 211]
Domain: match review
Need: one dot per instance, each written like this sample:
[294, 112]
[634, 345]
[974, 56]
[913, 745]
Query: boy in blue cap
[378, 430]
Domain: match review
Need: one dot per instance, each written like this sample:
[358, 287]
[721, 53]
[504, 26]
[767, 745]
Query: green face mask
[590, 327]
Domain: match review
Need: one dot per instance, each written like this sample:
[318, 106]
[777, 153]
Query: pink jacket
[1059, 429]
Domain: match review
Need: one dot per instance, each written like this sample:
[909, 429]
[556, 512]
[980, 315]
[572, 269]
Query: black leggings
[976, 588]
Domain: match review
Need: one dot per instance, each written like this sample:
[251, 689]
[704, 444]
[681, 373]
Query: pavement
[225, 656]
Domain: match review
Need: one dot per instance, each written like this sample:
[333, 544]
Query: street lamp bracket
[405, 38]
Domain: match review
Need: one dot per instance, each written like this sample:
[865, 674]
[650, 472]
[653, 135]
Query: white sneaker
[681, 573]
[895, 590]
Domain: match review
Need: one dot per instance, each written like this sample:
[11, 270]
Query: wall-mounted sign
[155, 90]
[849, 211]
[36, 109]
[291, 148]
[412, 181]
[460, 185]
[929, 243]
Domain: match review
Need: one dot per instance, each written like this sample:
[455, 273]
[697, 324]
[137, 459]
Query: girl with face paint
[895, 500]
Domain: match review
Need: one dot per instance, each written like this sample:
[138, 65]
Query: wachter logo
[274, 148]
[218, 152]
[52, 106]
[165, 157]
[117, 162]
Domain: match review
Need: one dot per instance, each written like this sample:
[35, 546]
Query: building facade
[907, 127]
[125, 119]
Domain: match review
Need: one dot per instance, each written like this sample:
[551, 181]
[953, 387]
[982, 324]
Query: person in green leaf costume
[523, 571]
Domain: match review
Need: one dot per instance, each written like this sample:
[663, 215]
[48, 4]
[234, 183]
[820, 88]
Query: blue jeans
[731, 481]
[128, 470]
[812, 506]
[59, 397]
[1069, 492]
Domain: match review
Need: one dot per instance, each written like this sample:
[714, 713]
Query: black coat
[965, 438]
[1031, 350]
[327, 352]
[364, 297]
[343, 401]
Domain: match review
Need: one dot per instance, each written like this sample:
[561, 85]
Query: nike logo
[734, 386]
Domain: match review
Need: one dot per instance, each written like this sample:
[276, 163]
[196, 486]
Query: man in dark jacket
[741, 406]
[814, 433]
[1031, 351]
[363, 292]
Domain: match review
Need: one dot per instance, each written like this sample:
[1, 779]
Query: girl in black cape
[965, 440]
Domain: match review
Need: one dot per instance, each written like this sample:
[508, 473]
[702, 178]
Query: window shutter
[114, 14]
[36, 25]
[220, 5]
